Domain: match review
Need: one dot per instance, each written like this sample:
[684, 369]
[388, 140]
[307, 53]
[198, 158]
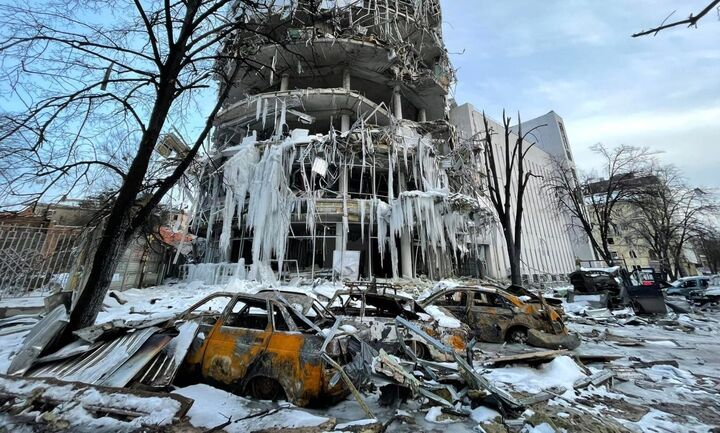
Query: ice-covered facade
[334, 154]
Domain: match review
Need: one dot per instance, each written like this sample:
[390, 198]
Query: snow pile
[443, 319]
[75, 403]
[482, 415]
[433, 415]
[673, 375]
[165, 301]
[212, 406]
[560, 372]
[542, 428]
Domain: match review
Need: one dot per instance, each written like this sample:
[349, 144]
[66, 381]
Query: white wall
[547, 247]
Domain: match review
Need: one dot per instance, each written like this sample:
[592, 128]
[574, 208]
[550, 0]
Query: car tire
[265, 388]
[419, 349]
[517, 335]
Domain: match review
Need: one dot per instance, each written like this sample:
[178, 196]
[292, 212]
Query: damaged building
[335, 155]
[335, 152]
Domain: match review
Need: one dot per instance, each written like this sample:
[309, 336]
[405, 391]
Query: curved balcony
[314, 107]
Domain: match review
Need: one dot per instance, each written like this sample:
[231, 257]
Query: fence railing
[36, 259]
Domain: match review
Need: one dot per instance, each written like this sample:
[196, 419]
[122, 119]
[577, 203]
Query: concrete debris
[284, 344]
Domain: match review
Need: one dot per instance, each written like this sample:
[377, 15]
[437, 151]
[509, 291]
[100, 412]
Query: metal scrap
[38, 339]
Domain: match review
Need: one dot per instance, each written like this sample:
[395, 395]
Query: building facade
[339, 159]
[551, 249]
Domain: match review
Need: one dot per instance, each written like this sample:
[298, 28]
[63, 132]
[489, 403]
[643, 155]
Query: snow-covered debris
[482, 414]
[213, 406]
[83, 408]
[443, 319]
[560, 372]
[433, 415]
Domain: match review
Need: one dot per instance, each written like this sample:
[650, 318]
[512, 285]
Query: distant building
[40, 247]
[626, 246]
[550, 248]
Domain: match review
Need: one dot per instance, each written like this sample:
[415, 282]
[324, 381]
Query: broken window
[453, 299]
[488, 300]
[279, 321]
[209, 309]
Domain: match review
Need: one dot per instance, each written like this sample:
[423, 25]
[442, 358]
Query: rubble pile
[361, 357]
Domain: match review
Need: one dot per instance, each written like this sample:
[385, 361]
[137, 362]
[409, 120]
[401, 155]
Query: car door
[208, 312]
[241, 336]
[490, 316]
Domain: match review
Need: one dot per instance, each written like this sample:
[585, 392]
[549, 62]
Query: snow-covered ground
[667, 379]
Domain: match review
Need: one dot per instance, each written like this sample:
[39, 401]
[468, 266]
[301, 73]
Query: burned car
[497, 316]
[263, 346]
[373, 314]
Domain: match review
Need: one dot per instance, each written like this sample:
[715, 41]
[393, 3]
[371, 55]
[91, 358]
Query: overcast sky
[576, 57]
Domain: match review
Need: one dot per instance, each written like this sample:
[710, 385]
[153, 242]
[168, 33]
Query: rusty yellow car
[264, 346]
[496, 316]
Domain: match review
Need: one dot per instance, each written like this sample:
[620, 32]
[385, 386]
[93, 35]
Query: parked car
[685, 285]
[495, 315]
[263, 346]
[373, 314]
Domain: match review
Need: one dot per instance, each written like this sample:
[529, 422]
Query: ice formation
[260, 172]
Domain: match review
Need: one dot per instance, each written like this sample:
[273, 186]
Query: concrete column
[422, 115]
[284, 82]
[397, 102]
[346, 79]
[344, 127]
[345, 123]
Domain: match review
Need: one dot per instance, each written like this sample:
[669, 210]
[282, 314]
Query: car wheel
[418, 349]
[265, 388]
[517, 335]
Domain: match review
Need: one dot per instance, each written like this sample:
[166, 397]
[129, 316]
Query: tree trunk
[513, 258]
[118, 232]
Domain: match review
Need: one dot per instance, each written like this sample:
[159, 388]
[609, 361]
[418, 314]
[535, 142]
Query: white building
[550, 248]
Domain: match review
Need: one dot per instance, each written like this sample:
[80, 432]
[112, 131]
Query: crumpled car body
[495, 315]
[373, 314]
[261, 346]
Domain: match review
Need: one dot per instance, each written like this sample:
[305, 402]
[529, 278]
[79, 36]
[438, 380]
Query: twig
[690, 21]
[219, 427]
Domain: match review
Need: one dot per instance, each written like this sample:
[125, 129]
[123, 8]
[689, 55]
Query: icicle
[362, 220]
[283, 114]
[264, 111]
[238, 171]
[272, 67]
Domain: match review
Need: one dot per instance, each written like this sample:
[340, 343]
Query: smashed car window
[209, 308]
[279, 319]
[253, 315]
[489, 300]
[453, 299]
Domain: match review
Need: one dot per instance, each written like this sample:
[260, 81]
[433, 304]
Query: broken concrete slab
[528, 357]
[553, 341]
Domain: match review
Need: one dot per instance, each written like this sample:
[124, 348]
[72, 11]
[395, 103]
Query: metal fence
[35, 259]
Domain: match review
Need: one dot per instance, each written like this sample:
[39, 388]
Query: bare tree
[668, 214]
[593, 200]
[94, 86]
[708, 242]
[691, 20]
[506, 172]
